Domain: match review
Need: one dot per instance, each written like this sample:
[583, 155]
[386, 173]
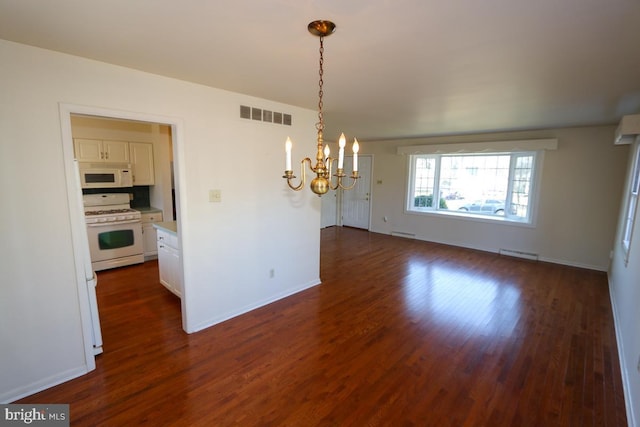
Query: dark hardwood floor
[400, 333]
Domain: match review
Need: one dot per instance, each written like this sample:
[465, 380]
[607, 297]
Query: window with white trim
[632, 203]
[487, 185]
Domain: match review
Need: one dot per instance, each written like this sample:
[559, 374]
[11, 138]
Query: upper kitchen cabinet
[96, 150]
[141, 155]
[138, 154]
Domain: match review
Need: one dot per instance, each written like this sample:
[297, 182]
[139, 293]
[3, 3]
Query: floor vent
[258, 114]
[519, 254]
[403, 234]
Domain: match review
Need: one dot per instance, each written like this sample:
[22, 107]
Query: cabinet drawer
[168, 239]
[151, 217]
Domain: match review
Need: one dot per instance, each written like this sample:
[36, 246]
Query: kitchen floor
[133, 305]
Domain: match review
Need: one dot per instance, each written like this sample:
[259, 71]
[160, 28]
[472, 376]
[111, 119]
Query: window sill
[465, 216]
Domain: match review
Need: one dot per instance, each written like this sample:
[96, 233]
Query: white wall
[624, 284]
[580, 193]
[228, 247]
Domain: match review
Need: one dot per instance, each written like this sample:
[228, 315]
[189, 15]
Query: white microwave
[99, 175]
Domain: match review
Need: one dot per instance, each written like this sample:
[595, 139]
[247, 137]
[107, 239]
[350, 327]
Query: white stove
[112, 215]
[114, 230]
[110, 211]
[108, 207]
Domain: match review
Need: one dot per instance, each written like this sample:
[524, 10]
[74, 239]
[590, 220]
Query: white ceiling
[393, 68]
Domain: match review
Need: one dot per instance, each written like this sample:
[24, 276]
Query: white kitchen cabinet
[149, 233]
[169, 261]
[141, 155]
[101, 151]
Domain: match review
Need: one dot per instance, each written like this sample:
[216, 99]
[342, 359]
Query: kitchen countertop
[148, 209]
[169, 226]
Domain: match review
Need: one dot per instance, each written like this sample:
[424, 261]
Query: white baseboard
[37, 386]
[226, 316]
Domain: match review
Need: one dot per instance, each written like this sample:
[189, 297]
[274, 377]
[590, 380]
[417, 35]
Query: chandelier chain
[320, 124]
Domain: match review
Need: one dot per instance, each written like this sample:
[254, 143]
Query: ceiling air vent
[258, 114]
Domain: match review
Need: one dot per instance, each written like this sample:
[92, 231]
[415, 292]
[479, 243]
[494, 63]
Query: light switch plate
[215, 196]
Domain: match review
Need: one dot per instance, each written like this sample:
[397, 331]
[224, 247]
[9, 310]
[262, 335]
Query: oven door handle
[104, 224]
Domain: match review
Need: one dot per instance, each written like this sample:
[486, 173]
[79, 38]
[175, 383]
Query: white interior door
[356, 203]
[329, 210]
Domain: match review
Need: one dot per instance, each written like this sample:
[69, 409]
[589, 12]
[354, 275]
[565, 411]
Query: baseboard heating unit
[403, 234]
[519, 254]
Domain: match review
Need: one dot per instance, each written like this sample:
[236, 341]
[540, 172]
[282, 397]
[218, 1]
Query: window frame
[435, 209]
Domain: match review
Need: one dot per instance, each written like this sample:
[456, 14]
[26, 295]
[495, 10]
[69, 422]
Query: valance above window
[481, 147]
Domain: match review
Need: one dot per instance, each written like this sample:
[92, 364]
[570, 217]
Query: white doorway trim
[78, 228]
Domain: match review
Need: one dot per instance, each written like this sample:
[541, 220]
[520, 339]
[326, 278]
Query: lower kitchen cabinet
[169, 261]
[149, 235]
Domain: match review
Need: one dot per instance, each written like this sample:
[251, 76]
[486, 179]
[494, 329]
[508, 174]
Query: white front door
[356, 203]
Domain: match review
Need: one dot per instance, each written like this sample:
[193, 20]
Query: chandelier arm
[330, 161]
[303, 175]
[339, 177]
[354, 177]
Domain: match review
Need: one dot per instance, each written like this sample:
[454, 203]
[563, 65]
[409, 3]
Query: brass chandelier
[324, 163]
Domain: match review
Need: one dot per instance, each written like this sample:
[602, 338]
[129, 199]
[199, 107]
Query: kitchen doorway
[78, 226]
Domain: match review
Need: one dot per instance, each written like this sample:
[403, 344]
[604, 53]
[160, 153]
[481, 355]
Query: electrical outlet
[638, 363]
[272, 273]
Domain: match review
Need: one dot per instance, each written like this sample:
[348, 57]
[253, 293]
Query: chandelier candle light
[324, 163]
